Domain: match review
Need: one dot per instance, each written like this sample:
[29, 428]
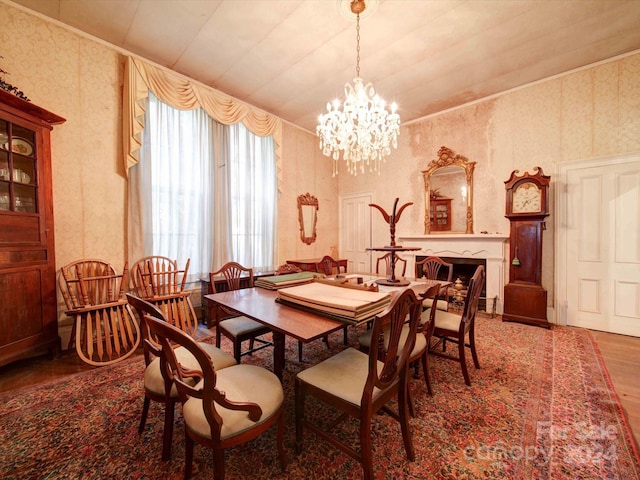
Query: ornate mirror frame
[307, 217]
[447, 158]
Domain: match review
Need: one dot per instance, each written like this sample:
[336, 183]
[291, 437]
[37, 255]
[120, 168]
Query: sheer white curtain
[202, 186]
[248, 185]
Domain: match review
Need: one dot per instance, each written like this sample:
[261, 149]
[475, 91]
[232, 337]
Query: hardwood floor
[621, 355]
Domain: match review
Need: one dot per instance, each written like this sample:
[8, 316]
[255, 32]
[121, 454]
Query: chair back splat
[361, 384]
[327, 265]
[401, 265]
[221, 408]
[434, 268]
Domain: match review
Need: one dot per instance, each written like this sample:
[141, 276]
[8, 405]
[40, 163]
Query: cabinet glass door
[18, 174]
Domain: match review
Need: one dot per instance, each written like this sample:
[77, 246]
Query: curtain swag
[181, 93]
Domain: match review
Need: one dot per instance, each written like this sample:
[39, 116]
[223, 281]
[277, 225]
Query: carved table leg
[278, 353]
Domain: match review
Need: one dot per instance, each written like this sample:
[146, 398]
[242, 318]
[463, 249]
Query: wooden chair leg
[218, 463]
[143, 416]
[218, 335]
[280, 441]
[472, 345]
[299, 406]
[425, 369]
[463, 361]
[345, 335]
[188, 455]
[72, 337]
[237, 350]
[299, 351]
[365, 446]
[412, 410]
[167, 433]
[404, 418]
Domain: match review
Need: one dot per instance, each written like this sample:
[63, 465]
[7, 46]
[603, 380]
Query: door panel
[603, 247]
[355, 232]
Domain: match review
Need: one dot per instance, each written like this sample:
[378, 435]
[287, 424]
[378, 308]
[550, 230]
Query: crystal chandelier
[363, 130]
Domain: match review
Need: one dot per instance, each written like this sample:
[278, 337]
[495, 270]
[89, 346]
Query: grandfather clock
[527, 206]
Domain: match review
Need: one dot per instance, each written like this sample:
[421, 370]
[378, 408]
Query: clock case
[525, 300]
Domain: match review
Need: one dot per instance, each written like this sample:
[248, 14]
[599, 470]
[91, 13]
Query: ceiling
[289, 57]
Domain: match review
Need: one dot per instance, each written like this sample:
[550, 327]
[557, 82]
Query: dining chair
[220, 408]
[455, 327]
[419, 354]
[361, 384]
[434, 268]
[160, 281]
[386, 261]
[238, 328]
[156, 389]
[104, 330]
[329, 266]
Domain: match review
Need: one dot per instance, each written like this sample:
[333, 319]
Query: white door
[355, 232]
[601, 244]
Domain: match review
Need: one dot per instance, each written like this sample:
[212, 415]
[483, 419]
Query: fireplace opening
[463, 269]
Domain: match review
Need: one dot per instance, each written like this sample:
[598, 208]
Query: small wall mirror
[308, 217]
[448, 186]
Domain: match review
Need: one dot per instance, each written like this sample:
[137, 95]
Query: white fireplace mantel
[489, 247]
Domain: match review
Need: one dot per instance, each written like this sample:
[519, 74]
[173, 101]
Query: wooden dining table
[306, 326]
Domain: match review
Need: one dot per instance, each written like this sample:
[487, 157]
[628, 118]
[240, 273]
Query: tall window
[208, 191]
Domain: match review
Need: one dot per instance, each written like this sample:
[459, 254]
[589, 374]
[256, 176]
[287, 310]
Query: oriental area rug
[541, 407]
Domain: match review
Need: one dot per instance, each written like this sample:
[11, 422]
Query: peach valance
[182, 93]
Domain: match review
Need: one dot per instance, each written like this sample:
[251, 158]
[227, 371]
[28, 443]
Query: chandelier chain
[358, 45]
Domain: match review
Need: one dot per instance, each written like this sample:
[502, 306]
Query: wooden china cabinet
[28, 306]
[440, 213]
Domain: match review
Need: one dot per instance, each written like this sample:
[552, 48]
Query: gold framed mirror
[307, 217]
[448, 187]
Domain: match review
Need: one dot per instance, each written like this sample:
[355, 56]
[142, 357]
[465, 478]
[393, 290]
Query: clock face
[527, 198]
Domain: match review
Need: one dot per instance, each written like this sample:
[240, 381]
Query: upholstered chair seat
[241, 326]
[241, 383]
[447, 320]
[343, 375]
